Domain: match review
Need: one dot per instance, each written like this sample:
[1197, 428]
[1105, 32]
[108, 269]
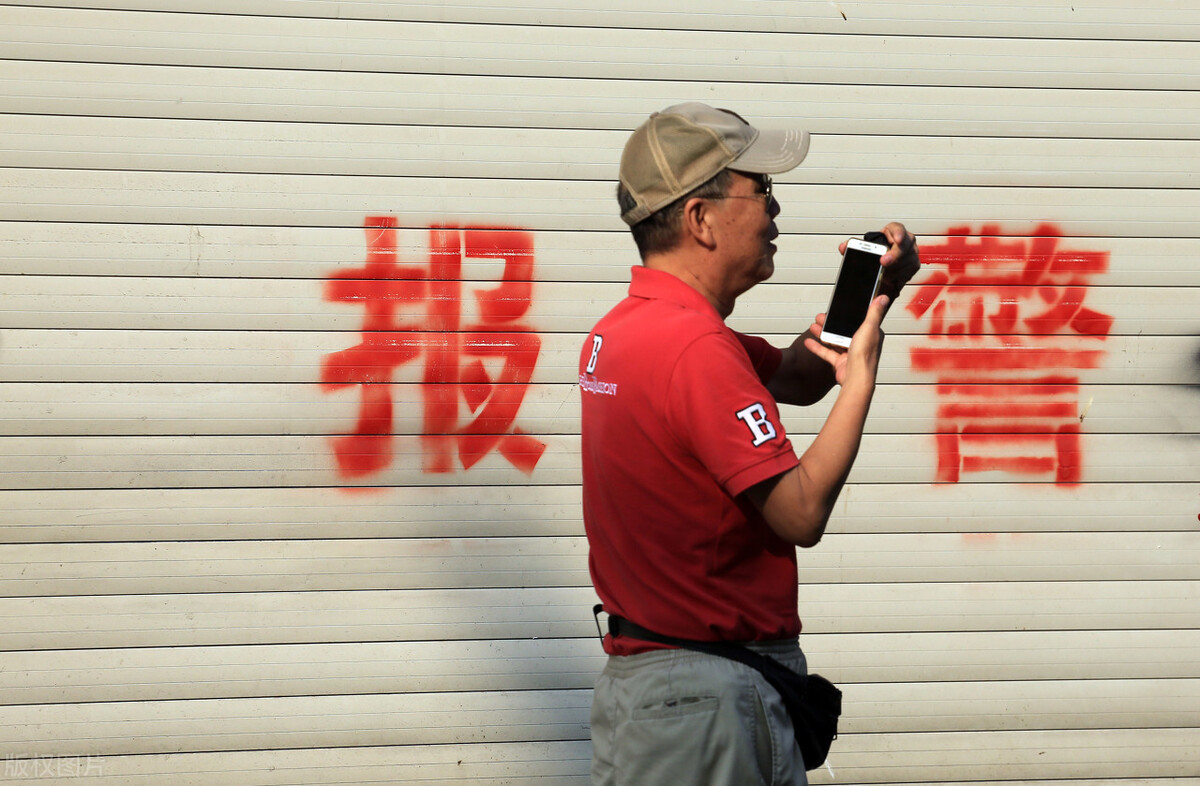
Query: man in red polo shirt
[694, 498]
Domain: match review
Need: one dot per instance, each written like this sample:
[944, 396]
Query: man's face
[745, 223]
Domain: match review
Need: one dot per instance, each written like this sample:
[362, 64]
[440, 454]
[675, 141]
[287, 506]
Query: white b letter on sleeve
[755, 417]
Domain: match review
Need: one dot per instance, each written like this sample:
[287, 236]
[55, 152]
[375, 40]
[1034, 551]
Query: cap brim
[772, 152]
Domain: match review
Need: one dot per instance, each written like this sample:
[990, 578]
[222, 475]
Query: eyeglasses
[766, 193]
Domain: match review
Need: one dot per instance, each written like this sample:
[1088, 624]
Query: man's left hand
[900, 263]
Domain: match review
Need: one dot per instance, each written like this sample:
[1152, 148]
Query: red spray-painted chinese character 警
[1008, 335]
[415, 312]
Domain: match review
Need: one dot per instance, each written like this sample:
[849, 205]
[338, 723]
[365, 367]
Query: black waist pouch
[813, 702]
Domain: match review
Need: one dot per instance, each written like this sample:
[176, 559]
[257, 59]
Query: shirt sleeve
[724, 415]
[764, 357]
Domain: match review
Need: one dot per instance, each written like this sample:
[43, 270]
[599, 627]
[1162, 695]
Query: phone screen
[853, 292]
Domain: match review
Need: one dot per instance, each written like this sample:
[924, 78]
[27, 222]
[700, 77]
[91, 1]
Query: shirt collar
[660, 285]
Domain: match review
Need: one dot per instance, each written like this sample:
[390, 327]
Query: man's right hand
[861, 361]
[797, 503]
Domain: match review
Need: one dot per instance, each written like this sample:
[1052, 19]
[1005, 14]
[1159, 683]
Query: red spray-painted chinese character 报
[416, 312]
[1008, 335]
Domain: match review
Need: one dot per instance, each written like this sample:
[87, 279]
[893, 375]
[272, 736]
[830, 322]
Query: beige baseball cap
[684, 145]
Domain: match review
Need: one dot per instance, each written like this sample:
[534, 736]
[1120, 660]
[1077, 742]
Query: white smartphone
[857, 284]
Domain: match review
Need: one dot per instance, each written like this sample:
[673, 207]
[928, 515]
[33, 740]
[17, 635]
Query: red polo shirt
[677, 423]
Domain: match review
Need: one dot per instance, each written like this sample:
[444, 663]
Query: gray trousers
[682, 718]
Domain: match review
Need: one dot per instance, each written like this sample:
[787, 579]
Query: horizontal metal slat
[124, 303]
[219, 356]
[528, 102]
[428, 563]
[1157, 20]
[133, 728]
[305, 200]
[1114, 757]
[276, 253]
[179, 673]
[104, 621]
[168, 409]
[281, 514]
[191, 462]
[489, 764]
[150, 144]
[559, 51]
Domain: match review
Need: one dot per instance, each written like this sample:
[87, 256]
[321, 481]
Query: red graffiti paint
[416, 312]
[1008, 332]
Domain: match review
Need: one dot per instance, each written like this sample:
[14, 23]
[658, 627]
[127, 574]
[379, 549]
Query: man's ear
[697, 221]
